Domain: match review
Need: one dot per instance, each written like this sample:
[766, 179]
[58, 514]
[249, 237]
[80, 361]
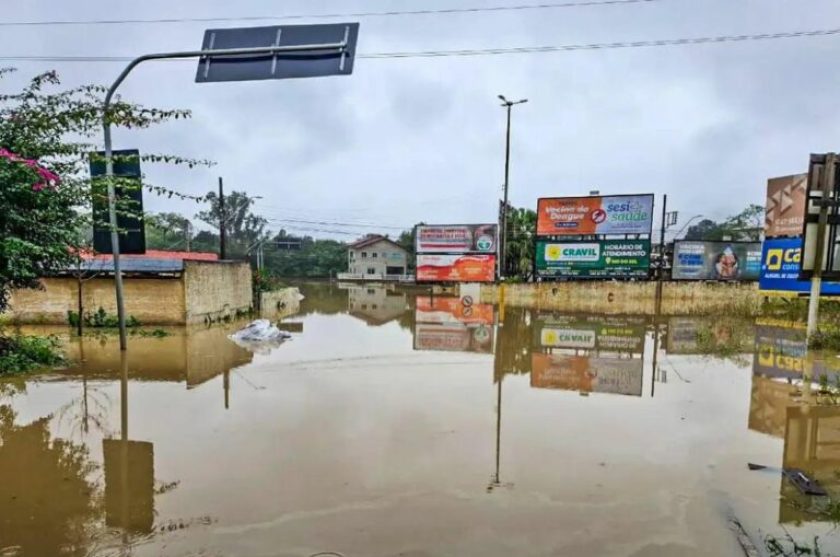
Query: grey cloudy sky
[422, 139]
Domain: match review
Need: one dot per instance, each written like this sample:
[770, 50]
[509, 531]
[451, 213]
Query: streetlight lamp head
[521, 101]
[503, 98]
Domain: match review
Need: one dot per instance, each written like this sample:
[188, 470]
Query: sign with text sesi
[577, 216]
[716, 260]
[456, 238]
[597, 259]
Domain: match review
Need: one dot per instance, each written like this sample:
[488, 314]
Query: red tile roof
[162, 254]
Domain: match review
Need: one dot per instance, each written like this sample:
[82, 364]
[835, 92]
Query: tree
[45, 147]
[167, 231]
[243, 227]
[314, 259]
[706, 229]
[521, 237]
[744, 226]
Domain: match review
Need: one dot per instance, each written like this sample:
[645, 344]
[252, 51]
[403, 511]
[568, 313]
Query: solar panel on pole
[332, 53]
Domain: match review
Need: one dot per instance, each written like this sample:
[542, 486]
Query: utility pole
[188, 235]
[826, 186]
[508, 105]
[222, 219]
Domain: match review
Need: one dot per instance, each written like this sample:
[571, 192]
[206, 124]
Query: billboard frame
[740, 242]
[815, 198]
[643, 273]
[648, 233]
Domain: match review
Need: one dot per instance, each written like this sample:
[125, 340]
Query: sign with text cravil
[780, 259]
[600, 259]
[716, 260]
[785, 206]
[456, 238]
[456, 268]
[577, 216]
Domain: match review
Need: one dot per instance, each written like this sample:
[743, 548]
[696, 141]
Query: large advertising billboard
[780, 259]
[576, 216]
[785, 207]
[457, 238]
[596, 259]
[587, 374]
[456, 268]
[716, 260]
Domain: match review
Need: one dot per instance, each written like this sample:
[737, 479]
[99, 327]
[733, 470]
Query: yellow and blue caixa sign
[780, 268]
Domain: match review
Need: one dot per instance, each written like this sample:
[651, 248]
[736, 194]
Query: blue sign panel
[780, 268]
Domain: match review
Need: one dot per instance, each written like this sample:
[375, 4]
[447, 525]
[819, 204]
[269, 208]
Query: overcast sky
[422, 139]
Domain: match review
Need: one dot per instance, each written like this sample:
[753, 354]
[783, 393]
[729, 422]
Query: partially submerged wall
[153, 301]
[613, 297]
[215, 290]
[280, 303]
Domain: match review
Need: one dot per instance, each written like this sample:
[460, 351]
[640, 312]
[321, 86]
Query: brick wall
[217, 289]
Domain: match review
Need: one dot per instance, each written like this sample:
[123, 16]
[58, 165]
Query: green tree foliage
[745, 226]
[46, 138]
[521, 237]
[167, 231]
[314, 259]
[243, 228]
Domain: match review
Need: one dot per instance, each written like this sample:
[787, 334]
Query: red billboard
[456, 268]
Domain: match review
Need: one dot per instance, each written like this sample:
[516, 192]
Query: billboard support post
[826, 186]
[661, 266]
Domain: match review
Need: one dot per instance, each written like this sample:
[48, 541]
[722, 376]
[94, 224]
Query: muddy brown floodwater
[395, 424]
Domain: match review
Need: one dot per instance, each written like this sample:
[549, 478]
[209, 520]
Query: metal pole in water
[826, 186]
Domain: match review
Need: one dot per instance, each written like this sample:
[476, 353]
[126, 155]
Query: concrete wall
[216, 289]
[280, 303]
[678, 298]
[153, 301]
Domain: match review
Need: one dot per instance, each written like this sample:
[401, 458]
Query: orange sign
[439, 309]
[456, 268]
[581, 216]
[570, 373]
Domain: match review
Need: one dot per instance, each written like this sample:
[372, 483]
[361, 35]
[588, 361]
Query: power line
[685, 41]
[518, 7]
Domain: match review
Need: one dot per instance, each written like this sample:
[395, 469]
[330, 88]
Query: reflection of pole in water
[655, 354]
[226, 386]
[494, 479]
[124, 446]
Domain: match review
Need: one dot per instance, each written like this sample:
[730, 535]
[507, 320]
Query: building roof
[151, 262]
[161, 254]
[372, 239]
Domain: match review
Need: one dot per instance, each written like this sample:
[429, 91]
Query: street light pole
[508, 105]
[340, 47]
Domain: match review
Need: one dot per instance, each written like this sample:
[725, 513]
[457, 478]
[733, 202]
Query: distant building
[376, 257]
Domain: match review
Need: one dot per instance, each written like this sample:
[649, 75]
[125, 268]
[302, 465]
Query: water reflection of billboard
[129, 484]
[456, 268]
[618, 334]
[716, 260]
[685, 335]
[587, 373]
[781, 350]
[576, 216]
[449, 324]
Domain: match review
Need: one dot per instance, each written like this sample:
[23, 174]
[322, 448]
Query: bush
[19, 354]
[100, 319]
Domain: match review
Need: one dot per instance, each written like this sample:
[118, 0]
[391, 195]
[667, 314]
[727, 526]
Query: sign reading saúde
[456, 268]
[599, 259]
[456, 238]
[785, 208]
[576, 216]
[780, 259]
[716, 260]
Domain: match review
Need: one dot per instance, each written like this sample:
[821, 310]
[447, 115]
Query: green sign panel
[593, 259]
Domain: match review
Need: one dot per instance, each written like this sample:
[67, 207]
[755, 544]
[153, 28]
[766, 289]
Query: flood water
[398, 424]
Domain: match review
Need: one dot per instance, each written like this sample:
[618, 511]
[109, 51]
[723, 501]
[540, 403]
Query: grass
[19, 354]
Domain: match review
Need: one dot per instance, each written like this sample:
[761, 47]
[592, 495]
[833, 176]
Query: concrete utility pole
[503, 259]
[222, 219]
[826, 186]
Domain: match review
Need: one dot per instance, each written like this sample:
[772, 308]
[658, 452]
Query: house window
[352, 255]
[371, 271]
[374, 255]
[371, 292]
[373, 306]
[364, 254]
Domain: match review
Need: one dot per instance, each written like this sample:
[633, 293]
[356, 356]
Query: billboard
[128, 188]
[456, 268]
[587, 374]
[457, 238]
[615, 334]
[785, 206]
[716, 260]
[448, 309]
[577, 216]
[595, 259]
[780, 259]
